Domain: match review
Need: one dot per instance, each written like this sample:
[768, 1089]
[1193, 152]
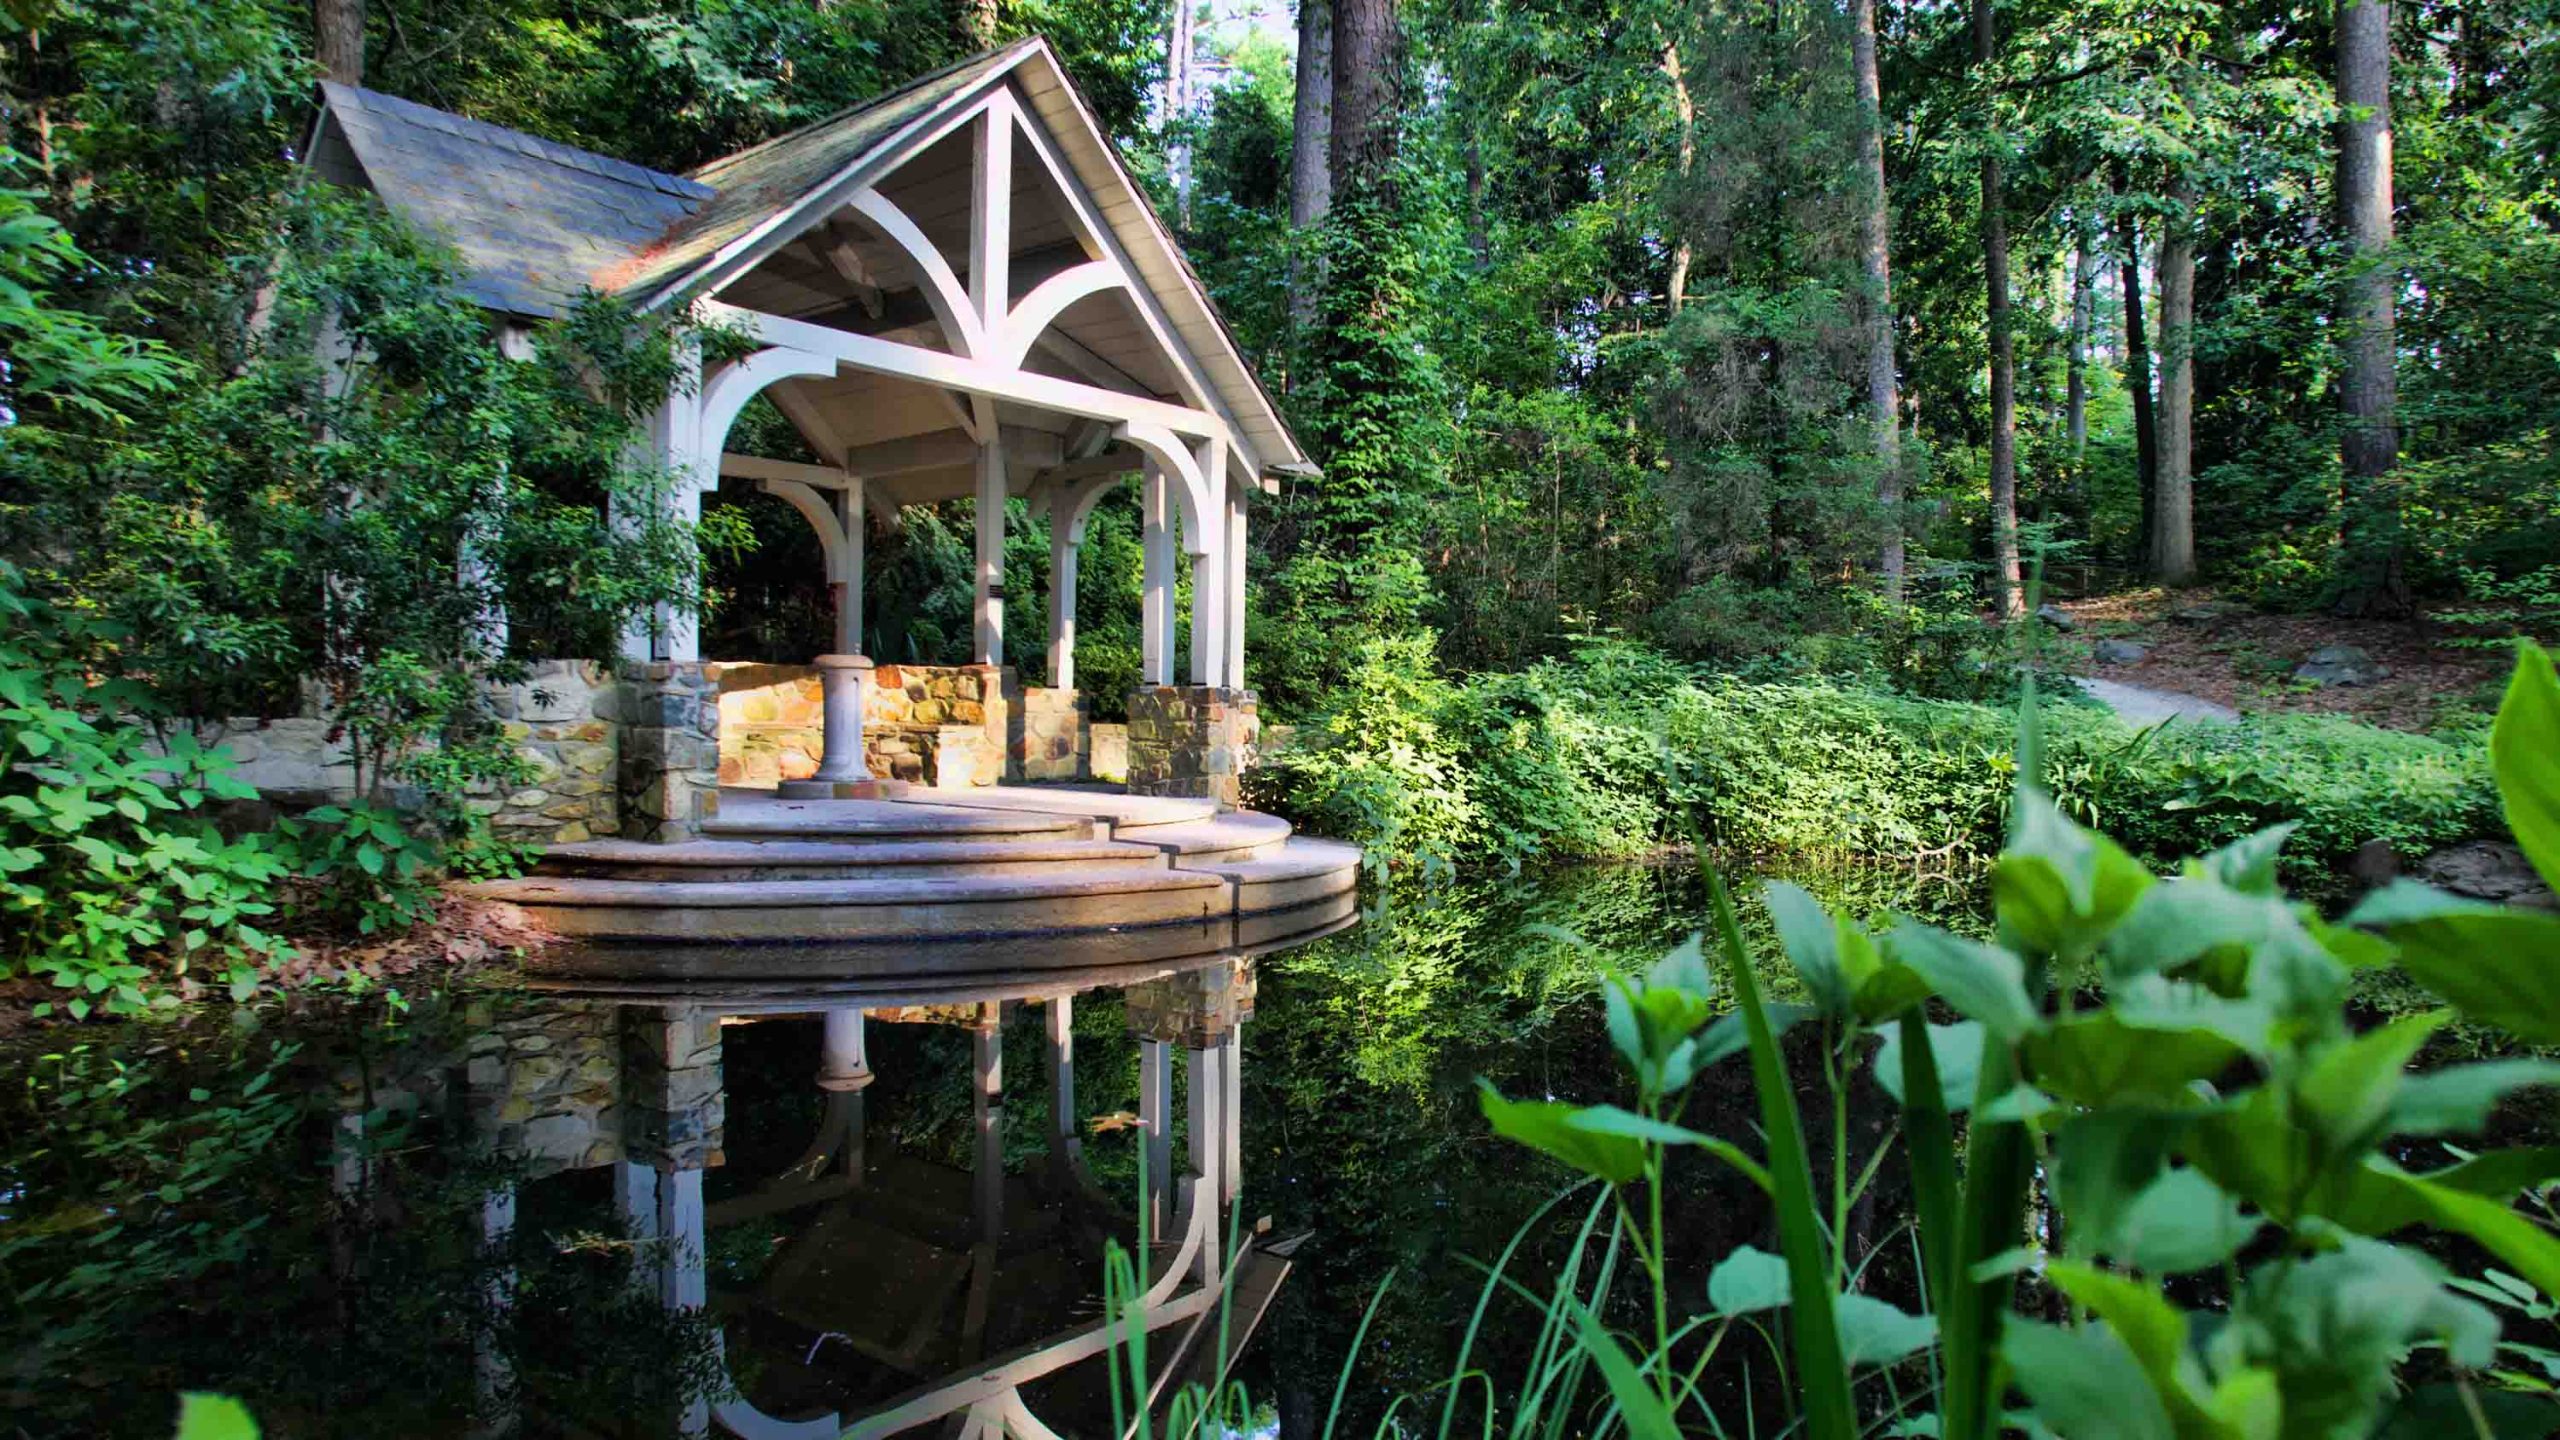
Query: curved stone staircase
[938, 881]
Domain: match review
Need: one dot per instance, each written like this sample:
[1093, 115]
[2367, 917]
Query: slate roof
[536, 222]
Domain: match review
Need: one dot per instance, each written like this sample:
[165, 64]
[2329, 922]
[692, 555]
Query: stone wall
[581, 1083]
[1046, 736]
[669, 755]
[1107, 752]
[675, 1109]
[1192, 740]
[925, 724]
[290, 760]
[553, 718]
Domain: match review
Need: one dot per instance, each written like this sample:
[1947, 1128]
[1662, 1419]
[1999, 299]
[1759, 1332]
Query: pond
[445, 1212]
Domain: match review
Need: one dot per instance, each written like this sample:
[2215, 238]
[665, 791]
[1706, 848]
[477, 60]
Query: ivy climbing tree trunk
[2172, 558]
[2075, 381]
[2004, 361]
[1875, 260]
[2368, 388]
[338, 39]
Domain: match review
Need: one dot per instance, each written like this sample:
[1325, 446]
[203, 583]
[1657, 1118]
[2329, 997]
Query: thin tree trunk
[1875, 258]
[1686, 110]
[2173, 537]
[338, 39]
[2137, 379]
[2004, 367]
[1364, 109]
[1179, 43]
[1310, 151]
[2084, 300]
[1479, 227]
[2369, 442]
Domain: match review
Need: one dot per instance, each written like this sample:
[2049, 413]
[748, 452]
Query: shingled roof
[538, 223]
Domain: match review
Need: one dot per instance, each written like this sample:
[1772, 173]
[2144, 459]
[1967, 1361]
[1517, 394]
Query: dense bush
[1588, 757]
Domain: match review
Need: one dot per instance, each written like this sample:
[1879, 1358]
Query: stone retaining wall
[925, 724]
[552, 716]
[669, 755]
[1192, 740]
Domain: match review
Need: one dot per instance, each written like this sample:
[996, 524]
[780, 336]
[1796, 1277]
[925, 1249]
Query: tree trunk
[2137, 379]
[1177, 99]
[2369, 442]
[1875, 258]
[338, 39]
[2004, 366]
[1686, 110]
[2173, 537]
[1479, 226]
[1310, 151]
[2084, 301]
[1364, 90]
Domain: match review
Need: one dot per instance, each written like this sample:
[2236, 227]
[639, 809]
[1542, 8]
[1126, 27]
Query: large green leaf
[2085, 1384]
[2500, 967]
[1747, 1280]
[1638, 1403]
[2524, 749]
[2178, 922]
[1610, 1120]
[2458, 1098]
[1812, 944]
[2059, 888]
[2248, 864]
[1983, 982]
[2347, 1091]
[1546, 1125]
[2378, 1199]
[1956, 1050]
[206, 1416]
[2098, 1059]
[2103, 1160]
[2179, 1223]
[2336, 1326]
[1873, 1332]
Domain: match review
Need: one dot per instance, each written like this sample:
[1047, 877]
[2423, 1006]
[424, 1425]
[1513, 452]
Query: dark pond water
[646, 1214]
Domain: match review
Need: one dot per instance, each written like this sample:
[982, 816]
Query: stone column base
[669, 713]
[1192, 740]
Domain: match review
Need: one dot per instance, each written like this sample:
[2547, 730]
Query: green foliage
[1601, 753]
[113, 876]
[2210, 1099]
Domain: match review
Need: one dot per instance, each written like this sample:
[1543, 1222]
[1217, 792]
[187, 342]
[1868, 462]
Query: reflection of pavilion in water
[907, 1290]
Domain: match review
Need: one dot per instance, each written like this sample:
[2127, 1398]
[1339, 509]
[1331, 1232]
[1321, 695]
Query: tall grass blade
[1823, 1376]
[1931, 1143]
[1359, 1338]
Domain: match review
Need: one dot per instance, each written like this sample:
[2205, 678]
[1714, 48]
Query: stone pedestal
[1192, 740]
[1045, 737]
[844, 683]
[669, 713]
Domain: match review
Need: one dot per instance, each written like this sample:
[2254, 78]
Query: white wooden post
[1208, 1151]
[1061, 1025]
[990, 600]
[1156, 595]
[1234, 554]
[1208, 573]
[675, 442]
[848, 576]
[1062, 600]
[1155, 1126]
[986, 1094]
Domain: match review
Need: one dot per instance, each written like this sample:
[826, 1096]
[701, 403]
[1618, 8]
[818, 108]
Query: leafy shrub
[1593, 755]
[113, 878]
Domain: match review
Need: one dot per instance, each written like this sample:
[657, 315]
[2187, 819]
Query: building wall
[940, 725]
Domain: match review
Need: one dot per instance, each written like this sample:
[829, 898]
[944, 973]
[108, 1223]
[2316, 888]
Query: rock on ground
[2120, 652]
[2487, 870]
[2340, 665]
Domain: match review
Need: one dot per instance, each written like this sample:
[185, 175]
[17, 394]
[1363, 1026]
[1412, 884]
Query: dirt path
[2231, 657]
[2138, 706]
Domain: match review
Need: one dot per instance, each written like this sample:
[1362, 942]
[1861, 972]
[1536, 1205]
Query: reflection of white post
[1208, 1149]
[1061, 1021]
[491, 1372]
[1155, 1125]
[844, 1071]
[1155, 606]
[1062, 602]
[1231, 1069]
[986, 1103]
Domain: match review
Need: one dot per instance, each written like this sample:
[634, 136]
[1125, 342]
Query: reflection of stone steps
[943, 882]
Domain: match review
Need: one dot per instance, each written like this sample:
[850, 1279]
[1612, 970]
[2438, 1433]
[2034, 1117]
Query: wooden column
[986, 1104]
[1062, 603]
[1234, 552]
[1156, 596]
[847, 580]
[990, 600]
[1208, 573]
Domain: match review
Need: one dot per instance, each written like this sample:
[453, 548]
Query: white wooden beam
[943, 448]
[1073, 353]
[991, 220]
[1040, 309]
[953, 305]
[734, 466]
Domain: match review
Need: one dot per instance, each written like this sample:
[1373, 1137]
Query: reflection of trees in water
[1361, 1118]
[192, 1208]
